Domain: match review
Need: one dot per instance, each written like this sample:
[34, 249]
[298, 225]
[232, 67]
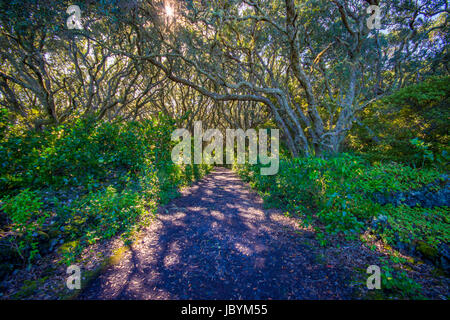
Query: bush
[396, 282]
[98, 216]
[99, 180]
[418, 111]
[71, 154]
[25, 221]
[338, 193]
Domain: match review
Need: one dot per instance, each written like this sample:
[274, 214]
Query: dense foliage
[77, 184]
[418, 112]
[309, 65]
[339, 194]
[86, 115]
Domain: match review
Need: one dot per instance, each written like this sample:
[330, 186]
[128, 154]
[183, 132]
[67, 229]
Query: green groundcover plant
[338, 193]
[76, 184]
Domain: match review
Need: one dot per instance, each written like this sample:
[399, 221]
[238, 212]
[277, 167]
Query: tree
[51, 75]
[314, 64]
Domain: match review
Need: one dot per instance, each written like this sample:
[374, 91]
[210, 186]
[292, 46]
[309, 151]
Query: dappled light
[217, 250]
[245, 149]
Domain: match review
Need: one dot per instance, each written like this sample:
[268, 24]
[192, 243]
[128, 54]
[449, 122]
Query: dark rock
[444, 252]
[5, 269]
[427, 252]
[426, 197]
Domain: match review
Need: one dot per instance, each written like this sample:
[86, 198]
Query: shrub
[26, 221]
[71, 154]
[99, 180]
[418, 111]
[338, 193]
[397, 282]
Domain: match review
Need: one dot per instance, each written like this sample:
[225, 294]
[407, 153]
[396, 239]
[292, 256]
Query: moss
[54, 233]
[29, 288]
[68, 247]
[43, 234]
[426, 250]
[376, 295]
[90, 275]
[26, 290]
[117, 255]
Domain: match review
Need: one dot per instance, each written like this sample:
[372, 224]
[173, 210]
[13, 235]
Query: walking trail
[217, 242]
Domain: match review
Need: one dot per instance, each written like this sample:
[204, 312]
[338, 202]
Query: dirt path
[217, 242]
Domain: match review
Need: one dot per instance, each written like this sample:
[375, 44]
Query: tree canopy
[309, 67]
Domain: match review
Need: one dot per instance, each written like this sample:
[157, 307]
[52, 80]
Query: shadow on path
[217, 242]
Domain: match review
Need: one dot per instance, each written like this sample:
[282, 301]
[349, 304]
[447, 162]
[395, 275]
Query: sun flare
[170, 12]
